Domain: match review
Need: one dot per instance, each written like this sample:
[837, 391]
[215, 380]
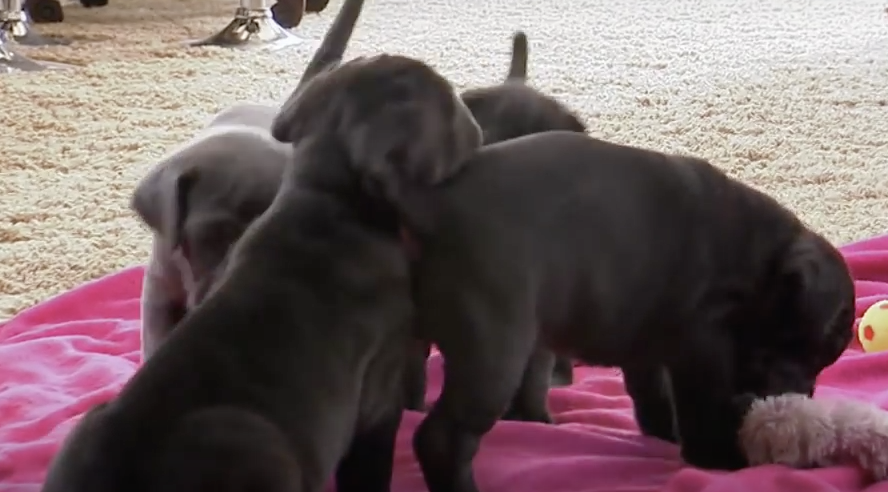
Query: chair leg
[12, 61]
[14, 22]
[254, 26]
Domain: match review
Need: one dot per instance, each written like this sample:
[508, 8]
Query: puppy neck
[321, 165]
[323, 168]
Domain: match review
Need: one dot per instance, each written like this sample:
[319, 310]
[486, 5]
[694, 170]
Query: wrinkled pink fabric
[59, 358]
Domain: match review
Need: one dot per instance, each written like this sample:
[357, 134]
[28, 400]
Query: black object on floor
[315, 6]
[93, 3]
[288, 13]
[44, 11]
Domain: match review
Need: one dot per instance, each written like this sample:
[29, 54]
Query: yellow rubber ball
[873, 328]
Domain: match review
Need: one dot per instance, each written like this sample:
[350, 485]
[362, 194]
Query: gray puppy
[510, 110]
[699, 287]
[504, 111]
[234, 170]
[289, 372]
[514, 109]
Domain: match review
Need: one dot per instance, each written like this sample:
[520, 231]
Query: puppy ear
[412, 144]
[161, 201]
[327, 57]
[819, 289]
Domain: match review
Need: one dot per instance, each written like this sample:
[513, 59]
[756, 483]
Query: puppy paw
[661, 430]
[517, 413]
[562, 373]
[722, 457]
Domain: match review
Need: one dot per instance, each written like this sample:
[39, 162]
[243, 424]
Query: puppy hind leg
[530, 403]
[481, 377]
[563, 372]
[368, 463]
[225, 449]
[650, 391]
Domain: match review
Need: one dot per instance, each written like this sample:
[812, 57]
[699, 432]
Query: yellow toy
[873, 328]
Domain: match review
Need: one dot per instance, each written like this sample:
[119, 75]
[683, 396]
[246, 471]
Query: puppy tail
[332, 48]
[518, 64]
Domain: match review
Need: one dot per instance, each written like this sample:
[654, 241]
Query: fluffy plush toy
[801, 432]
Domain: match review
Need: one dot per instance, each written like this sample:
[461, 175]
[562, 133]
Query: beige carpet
[789, 96]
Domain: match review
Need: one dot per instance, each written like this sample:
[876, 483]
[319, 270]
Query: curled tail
[518, 65]
[335, 41]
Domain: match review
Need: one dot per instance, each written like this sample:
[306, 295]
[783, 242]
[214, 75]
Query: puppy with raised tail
[199, 199]
[698, 286]
[509, 110]
[504, 111]
[514, 109]
[289, 371]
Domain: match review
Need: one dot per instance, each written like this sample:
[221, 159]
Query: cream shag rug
[791, 97]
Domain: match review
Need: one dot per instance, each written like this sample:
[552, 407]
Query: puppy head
[200, 199]
[808, 321]
[400, 122]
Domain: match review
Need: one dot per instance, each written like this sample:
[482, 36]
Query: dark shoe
[315, 6]
[93, 3]
[288, 13]
[44, 11]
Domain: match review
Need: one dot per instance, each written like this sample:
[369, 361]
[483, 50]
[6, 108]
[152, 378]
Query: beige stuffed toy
[801, 432]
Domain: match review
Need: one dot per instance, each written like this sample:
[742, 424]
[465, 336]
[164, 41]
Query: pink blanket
[59, 358]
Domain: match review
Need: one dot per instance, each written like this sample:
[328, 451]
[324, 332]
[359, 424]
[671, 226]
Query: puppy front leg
[161, 312]
[530, 403]
[368, 463]
[651, 396]
[563, 372]
[478, 387]
[484, 359]
[163, 297]
[708, 419]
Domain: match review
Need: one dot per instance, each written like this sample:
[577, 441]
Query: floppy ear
[412, 144]
[284, 126]
[820, 291]
[161, 201]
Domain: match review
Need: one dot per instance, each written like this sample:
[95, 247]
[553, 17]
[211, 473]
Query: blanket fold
[61, 357]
